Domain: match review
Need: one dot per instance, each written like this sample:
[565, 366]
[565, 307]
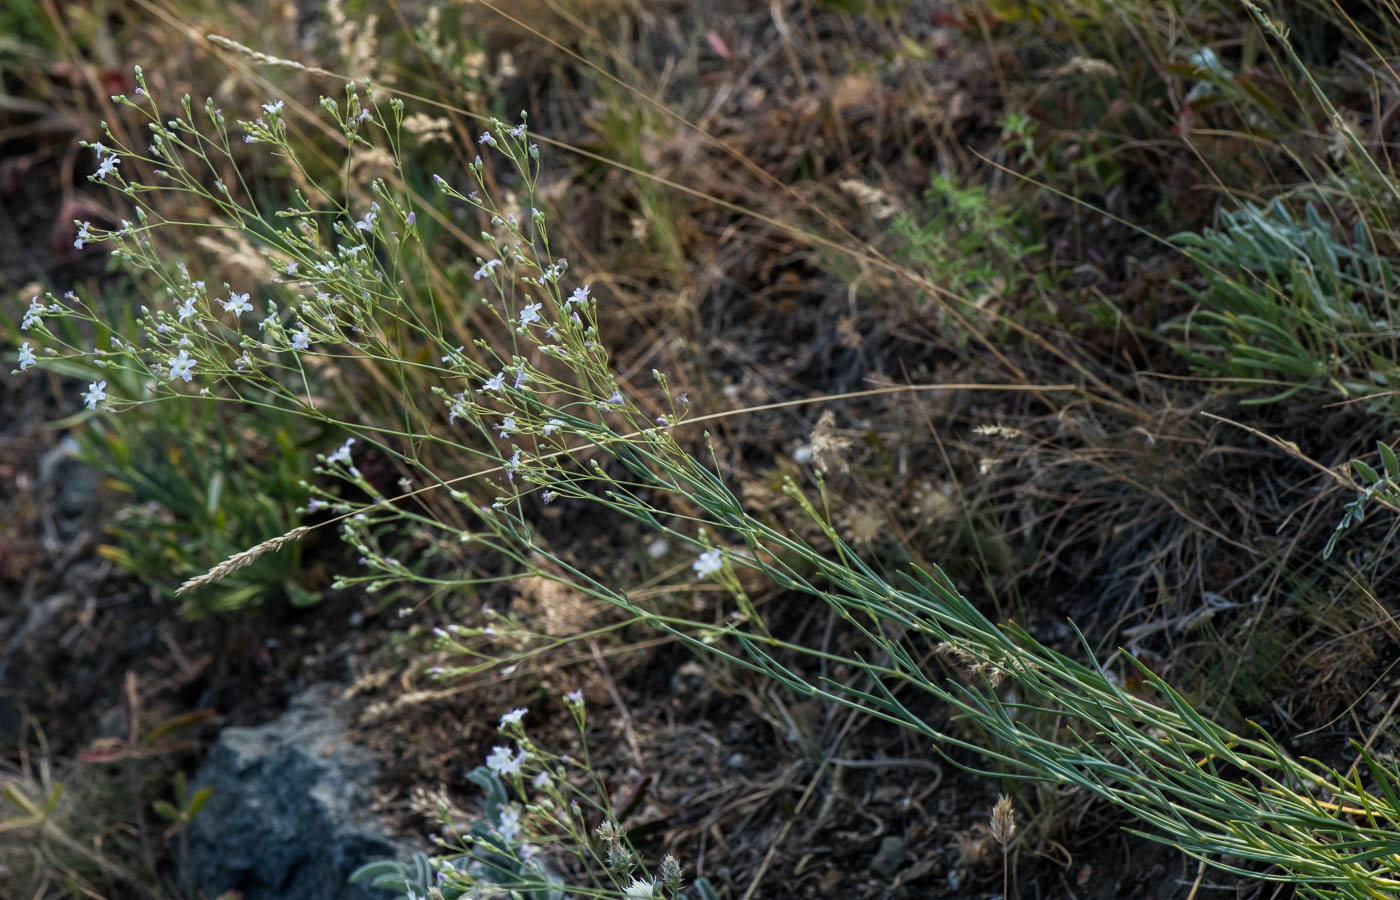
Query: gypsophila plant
[533, 414]
[537, 809]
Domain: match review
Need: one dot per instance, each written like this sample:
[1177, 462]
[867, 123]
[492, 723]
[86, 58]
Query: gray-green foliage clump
[1290, 303]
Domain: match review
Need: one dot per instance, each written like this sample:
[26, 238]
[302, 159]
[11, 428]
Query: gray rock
[889, 857]
[289, 817]
[74, 487]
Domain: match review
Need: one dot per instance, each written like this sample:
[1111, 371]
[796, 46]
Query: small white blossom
[84, 235]
[499, 758]
[106, 167]
[182, 366]
[507, 427]
[367, 223]
[301, 340]
[26, 356]
[547, 496]
[503, 763]
[551, 425]
[510, 824]
[529, 314]
[495, 382]
[574, 698]
[96, 393]
[513, 717]
[639, 888]
[32, 315]
[237, 304]
[513, 464]
[186, 309]
[580, 295]
[272, 109]
[342, 455]
[485, 270]
[708, 564]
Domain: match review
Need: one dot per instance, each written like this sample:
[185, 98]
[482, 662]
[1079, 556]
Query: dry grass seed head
[1003, 821]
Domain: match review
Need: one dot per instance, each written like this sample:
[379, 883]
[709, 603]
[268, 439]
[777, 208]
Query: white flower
[237, 303]
[510, 824]
[708, 564]
[301, 339]
[513, 717]
[529, 314]
[541, 781]
[181, 366]
[186, 309]
[272, 109]
[498, 759]
[506, 428]
[547, 496]
[96, 393]
[367, 223]
[343, 454]
[551, 425]
[83, 234]
[26, 356]
[106, 167]
[31, 316]
[495, 382]
[503, 763]
[513, 464]
[639, 888]
[574, 698]
[580, 295]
